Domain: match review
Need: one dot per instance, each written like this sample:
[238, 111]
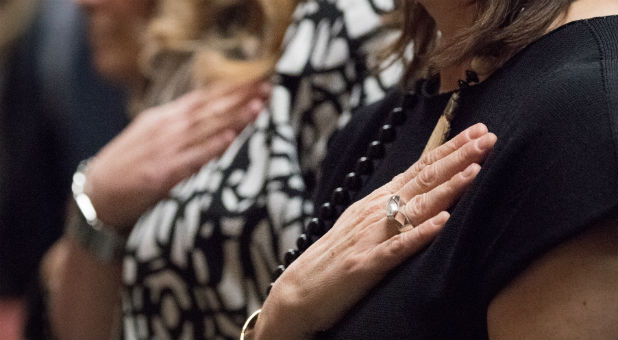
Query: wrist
[247, 328]
[97, 190]
[277, 325]
[90, 181]
[84, 226]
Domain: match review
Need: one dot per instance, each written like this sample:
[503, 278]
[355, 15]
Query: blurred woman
[197, 262]
[206, 253]
[78, 275]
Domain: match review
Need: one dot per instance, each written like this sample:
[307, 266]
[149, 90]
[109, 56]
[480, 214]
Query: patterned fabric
[200, 261]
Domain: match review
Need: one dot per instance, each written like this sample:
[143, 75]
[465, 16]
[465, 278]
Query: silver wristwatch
[102, 241]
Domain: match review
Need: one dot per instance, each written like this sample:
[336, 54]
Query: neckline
[542, 39]
[558, 30]
[429, 87]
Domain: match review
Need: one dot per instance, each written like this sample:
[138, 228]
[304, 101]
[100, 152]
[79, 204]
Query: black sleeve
[550, 179]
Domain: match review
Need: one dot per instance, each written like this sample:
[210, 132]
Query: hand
[363, 246]
[165, 145]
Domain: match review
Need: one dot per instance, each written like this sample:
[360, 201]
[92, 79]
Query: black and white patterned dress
[200, 261]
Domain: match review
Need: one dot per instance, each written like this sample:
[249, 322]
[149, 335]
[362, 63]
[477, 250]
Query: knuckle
[396, 246]
[398, 181]
[421, 235]
[452, 185]
[397, 178]
[417, 206]
[417, 167]
[464, 154]
[453, 188]
[377, 205]
[365, 213]
[376, 215]
[351, 264]
[426, 159]
[450, 146]
[427, 177]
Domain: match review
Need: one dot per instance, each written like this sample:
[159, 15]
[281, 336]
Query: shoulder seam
[607, 57]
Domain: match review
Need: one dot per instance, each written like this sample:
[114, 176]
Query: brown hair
[501, 28]
[234, 39]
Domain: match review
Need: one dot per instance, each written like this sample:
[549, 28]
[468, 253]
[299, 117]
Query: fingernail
[471, 170]
[477, 130]
[486, 142]
[441, 218]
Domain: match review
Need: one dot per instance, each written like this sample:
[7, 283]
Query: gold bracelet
[250, 323]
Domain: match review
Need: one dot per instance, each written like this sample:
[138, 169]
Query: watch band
[103, 242]
[106, 245]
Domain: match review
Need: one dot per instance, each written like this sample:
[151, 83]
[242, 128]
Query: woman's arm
[569, 293]
[163, 146]
[363, 246]
[83, 292]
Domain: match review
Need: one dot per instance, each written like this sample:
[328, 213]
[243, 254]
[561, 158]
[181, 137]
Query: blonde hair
[237, 40]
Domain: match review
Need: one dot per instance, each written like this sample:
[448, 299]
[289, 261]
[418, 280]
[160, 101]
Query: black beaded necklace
[342, 196]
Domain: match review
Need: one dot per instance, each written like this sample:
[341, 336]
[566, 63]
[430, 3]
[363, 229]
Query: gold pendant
[443, 127]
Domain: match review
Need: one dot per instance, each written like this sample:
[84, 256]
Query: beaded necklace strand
[341, 197]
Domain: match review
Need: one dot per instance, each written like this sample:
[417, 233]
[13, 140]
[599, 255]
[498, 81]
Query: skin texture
[165, 145]
[157, 150]
[160, 148]
[358, 251]
[581, 304]
[362, 247]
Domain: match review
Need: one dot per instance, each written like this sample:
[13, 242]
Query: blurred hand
[363, 245]
[165, 145]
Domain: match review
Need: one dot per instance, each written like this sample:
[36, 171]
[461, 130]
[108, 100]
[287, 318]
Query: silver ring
[394, 208]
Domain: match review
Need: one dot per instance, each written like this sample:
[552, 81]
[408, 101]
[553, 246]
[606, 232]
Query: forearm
[581, 304]
[266, 327]
[84, 301]
[12, 310]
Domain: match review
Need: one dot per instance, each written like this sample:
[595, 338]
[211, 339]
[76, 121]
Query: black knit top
[552, 173]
